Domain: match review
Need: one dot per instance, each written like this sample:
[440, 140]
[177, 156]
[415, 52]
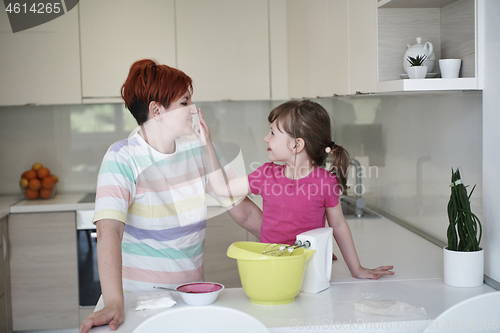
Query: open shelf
[414, 3]
[450, 25]
[428, 85]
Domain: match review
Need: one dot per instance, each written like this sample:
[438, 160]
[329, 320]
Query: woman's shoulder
[124, 146]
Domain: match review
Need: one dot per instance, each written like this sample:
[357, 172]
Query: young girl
[297, 195]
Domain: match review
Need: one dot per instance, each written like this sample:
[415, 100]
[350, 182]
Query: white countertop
[7, 201]
[418, 280]
[332, 308]
[61, 202]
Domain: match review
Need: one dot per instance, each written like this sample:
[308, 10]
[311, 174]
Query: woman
[150, 209]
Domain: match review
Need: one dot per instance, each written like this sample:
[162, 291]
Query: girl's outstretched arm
[343, 237]
[222, 186]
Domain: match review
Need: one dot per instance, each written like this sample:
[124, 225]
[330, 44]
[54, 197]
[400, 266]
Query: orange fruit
[23, 175]
[48, 182]
[30, 174]
[45, 193]
[55, 178]
[31, 194]
[36, 166]
[43, 172]
[23, 182]
[34, 184]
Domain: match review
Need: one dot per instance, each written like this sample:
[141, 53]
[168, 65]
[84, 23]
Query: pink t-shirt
[291, 210]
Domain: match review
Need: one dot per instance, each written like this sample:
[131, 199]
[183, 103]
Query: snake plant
[417, 61]
[464, 225]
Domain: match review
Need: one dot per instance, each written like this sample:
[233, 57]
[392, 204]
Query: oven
[89, 287]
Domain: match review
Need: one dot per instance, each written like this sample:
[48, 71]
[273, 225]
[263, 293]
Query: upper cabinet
[223, 45]
[40, 65]
[452, 26]
[323, 48]
[362, 39]
[116, 34]
[317, 48]
[240, 49]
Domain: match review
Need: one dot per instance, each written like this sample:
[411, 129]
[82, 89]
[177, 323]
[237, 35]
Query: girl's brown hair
[310, 121]
[148, 81]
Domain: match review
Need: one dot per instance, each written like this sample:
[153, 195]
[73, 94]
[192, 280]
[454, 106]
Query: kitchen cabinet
[221, 232]
[40, 65]
[318, 48]
[113, 36]
[453, 26]
[223, 45]
[43, 271]
[5, 308]
[362, 46]
[331, 47]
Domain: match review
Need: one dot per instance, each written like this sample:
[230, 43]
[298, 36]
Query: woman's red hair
[149, 81]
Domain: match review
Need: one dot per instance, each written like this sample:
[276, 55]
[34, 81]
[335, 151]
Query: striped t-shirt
[161, 199]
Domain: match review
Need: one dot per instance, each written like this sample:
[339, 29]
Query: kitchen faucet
[359, 202]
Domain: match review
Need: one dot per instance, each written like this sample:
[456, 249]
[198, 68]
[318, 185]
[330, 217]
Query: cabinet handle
[4, 242]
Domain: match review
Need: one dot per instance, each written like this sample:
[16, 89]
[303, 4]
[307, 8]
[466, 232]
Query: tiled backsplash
[410, 142]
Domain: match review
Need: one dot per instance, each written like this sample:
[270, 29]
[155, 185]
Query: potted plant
[463, 258]
[417, 70]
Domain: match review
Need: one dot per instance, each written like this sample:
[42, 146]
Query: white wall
[412, 141]
[72, 139]
[398, 133]
[491, 140]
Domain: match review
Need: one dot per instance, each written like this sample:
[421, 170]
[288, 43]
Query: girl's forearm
[215, 172]
[222, 186]
[343, 237]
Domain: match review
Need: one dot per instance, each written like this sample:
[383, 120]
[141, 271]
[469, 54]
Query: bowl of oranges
[38, 182]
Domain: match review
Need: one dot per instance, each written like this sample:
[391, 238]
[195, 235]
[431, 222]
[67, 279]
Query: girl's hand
[201, 130]
[365, 273]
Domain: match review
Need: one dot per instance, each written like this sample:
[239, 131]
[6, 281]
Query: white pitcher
[420, 49]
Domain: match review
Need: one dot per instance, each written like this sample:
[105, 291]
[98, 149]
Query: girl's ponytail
[340, 164]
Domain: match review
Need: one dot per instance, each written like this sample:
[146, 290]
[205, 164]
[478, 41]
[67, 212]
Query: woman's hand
[201, 130]
[365, 273]
[113, 315]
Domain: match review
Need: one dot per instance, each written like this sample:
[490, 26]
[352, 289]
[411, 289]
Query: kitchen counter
[60, 203]
[6, 202]
[331, 309]
[418, 280]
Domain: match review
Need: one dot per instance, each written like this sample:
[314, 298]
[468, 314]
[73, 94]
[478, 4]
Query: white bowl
[200, 293]
[204, 319]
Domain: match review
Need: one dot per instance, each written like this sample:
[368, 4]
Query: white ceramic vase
[463, 269]
[417, 72]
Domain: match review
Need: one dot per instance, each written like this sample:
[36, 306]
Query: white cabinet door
[318, 48]
[114, 34]
[43, 271]
[362, 46]
[223, 45]
[40, 65]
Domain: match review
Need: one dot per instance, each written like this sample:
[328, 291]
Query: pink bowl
[200, 287]
[200, 293]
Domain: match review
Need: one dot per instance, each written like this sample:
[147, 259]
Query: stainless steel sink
[348, 208]
[89, 197]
